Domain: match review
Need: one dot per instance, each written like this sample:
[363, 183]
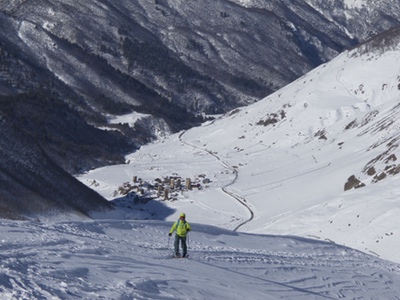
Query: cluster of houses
[167, 188]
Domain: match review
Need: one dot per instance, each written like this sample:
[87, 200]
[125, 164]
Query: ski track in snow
[132, 260]
[237, 198]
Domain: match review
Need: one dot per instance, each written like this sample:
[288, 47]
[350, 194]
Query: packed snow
[116, 259]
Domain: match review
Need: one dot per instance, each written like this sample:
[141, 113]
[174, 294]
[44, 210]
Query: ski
[179, 256]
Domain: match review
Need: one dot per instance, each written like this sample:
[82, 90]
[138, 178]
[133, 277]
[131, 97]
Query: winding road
[237, 198]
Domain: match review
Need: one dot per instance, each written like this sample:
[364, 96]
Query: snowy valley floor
[113, 259]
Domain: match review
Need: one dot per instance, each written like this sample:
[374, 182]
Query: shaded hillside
[196, 56]
[62, 132]
[33, 185]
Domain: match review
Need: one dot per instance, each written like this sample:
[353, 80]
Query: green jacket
[181, 227]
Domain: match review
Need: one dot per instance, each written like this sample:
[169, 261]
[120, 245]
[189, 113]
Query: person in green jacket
[182, 228]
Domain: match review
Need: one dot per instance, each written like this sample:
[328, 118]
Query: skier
[182, 228]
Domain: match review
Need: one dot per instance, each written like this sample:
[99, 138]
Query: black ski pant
[181, 239]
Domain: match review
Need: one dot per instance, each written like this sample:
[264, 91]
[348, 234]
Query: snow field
[113, 259]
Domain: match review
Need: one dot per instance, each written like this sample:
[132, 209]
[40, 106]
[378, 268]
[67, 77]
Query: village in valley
[163, 189]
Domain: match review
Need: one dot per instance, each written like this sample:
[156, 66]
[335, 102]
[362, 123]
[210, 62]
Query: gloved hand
[169, 234]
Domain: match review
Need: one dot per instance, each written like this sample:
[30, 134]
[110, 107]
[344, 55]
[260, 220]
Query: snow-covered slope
[290, 164]
[110, 259]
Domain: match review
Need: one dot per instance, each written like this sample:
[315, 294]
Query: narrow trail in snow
[238, 198]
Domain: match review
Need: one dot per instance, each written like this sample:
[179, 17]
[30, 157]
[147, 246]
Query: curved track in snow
[237, 198]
